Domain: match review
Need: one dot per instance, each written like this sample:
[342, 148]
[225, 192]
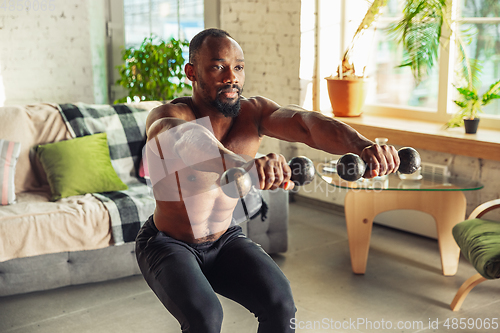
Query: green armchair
[479, 242]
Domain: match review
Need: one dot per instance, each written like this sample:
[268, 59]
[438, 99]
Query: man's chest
[243, 139]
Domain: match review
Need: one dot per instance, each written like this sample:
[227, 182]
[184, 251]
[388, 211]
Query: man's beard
[227, 108]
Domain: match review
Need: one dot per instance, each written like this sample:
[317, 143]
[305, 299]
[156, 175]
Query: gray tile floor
[402, 285]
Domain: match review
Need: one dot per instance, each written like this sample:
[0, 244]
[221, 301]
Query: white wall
[47, 56]
[269, 33]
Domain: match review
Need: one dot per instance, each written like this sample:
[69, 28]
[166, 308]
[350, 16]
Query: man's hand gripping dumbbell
[273, 172]
[351, 167]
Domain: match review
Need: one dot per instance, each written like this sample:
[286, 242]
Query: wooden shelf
[428, 135]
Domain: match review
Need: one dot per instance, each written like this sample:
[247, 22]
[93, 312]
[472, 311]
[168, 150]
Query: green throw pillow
[79, 166]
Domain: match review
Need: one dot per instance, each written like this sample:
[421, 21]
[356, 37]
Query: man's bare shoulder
[259, 101]
[259, 108]
[259, 105]
[177, 108]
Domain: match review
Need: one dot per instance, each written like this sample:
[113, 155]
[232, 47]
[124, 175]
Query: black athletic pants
[185, 277]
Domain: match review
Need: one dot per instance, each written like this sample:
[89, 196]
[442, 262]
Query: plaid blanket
[125, 128]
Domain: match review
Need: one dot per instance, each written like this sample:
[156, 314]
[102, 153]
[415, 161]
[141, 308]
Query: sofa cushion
[79, 166]
[31, 125]
[56, 270]
[9, 153]
[35, 226]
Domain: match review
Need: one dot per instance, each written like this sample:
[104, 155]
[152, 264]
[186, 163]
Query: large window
[393, 90]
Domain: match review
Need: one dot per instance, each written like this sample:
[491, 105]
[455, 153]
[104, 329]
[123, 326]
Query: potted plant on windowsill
[154, 71]
[470, 106]
[347, 90]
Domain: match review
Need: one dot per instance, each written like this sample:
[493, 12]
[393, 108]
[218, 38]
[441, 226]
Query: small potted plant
[347, 90]
[470, 105]
[154, 71]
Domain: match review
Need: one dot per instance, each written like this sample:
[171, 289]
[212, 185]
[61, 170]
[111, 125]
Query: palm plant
[346, 68]
[419, 31]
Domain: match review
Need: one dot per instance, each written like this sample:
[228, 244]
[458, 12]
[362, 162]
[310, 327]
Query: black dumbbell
[236, 182]
[351, 167]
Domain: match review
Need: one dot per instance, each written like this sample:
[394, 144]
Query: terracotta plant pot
[471, 125]
[347, 95]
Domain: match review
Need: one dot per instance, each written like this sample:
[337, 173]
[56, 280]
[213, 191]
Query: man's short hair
[195, 44]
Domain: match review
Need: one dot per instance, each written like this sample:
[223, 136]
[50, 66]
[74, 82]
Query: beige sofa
[45, 245]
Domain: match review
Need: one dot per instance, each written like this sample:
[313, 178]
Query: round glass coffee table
[440, 196]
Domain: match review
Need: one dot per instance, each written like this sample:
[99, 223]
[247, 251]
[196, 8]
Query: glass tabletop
[416, 182]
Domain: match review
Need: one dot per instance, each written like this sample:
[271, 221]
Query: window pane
[391, 84]
[393, 8]
[330, 48]
[162, 18]
[485, 46]
[395, 85]
[480, 8]
[307, 51]
[191, 18]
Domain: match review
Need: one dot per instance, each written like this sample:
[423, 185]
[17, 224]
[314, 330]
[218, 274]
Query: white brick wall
[269, 33]
[45, 56]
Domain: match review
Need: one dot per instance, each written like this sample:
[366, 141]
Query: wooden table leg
[361, 207]
[450, 209]
[359, 220]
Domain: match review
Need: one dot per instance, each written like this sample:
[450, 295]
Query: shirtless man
[189, 250]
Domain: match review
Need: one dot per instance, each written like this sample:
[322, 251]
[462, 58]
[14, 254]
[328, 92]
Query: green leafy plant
[470, 103]
[419, 31]
[154, 71]
[346, 68]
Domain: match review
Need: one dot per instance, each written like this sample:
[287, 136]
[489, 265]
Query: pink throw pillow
[9, 153]
[143, 168]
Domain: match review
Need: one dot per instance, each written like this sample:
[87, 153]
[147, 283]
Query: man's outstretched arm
[295, 124]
